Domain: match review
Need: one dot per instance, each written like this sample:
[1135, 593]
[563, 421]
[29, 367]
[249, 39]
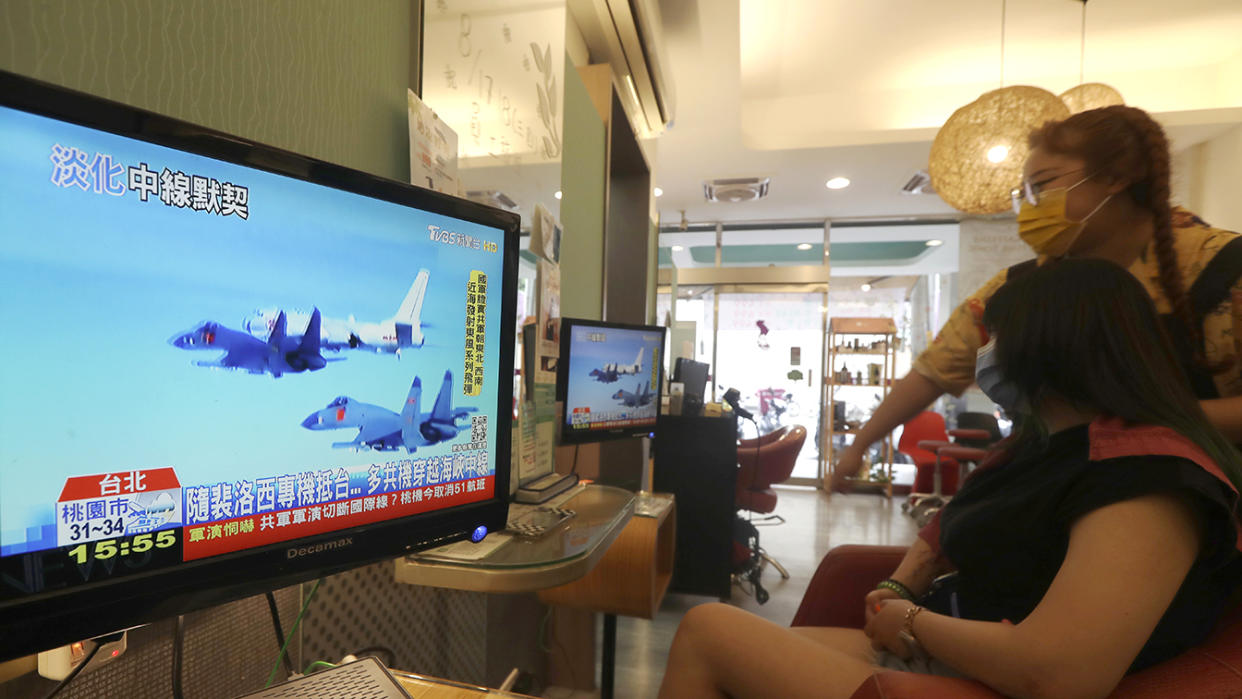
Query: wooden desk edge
[424, 687]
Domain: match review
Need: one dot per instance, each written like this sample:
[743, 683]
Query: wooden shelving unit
[880, 338]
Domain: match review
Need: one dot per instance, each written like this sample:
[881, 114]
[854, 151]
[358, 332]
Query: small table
[575, 564]
[526, 564]
[632, 578]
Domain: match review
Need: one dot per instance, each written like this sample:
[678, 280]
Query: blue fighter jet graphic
[640, 397]
[384, 430]
[280, 355]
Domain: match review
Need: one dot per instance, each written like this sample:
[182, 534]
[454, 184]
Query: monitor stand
[544, 488]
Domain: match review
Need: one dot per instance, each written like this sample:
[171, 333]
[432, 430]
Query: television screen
[609, 379]
[227, 367]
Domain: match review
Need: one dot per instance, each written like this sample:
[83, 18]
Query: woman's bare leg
[723, 651]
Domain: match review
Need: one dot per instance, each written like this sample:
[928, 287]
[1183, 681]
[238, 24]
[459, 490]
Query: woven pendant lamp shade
[960, 169]
[1090, 96]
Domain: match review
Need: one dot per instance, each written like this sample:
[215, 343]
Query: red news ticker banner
[251, 531]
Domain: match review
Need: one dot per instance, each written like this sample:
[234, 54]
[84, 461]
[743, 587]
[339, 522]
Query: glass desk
[560, 555]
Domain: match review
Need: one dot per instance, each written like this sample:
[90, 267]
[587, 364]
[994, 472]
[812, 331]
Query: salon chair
[920, 439]
[763, 462]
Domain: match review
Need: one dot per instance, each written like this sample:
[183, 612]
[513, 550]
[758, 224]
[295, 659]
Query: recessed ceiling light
[658, 192]
[838, 183]
[804, 246]
[934, 243]
[558, 194]
[998, 153]
[678, 248]
[866, 287]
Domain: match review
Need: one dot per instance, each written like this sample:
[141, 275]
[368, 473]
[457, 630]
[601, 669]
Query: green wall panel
[326, 78]
[582, 204]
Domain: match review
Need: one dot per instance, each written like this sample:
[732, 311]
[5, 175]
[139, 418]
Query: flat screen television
[228, 368]
[609, 379]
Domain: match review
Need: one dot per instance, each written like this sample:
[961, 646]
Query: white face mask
[993, 383]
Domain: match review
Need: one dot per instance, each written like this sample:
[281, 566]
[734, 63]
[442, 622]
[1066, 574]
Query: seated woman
[1101, 539]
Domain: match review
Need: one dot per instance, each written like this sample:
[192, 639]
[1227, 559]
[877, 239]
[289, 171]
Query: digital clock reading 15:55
[108, 548]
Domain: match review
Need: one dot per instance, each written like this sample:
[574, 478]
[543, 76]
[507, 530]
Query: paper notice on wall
[548, 330]
[545, 428]
[433, 148]
[545, 235]
[528, 469]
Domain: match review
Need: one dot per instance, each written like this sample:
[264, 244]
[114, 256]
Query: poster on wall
[495, 70]
[986, 248]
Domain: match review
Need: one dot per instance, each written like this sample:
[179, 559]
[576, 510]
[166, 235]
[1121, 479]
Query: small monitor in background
[692, 375]
[610, 379]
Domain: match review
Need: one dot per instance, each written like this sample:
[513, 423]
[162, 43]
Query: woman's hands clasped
[886, 618]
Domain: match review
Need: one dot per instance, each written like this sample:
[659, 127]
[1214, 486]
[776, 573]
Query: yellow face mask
[1045, 226]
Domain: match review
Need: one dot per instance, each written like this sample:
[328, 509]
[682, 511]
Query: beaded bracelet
[896, 586]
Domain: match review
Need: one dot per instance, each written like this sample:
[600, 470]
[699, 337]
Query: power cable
[277, 628]
[178, 651]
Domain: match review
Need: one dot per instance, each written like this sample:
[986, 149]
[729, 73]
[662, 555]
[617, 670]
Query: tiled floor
[814, 524]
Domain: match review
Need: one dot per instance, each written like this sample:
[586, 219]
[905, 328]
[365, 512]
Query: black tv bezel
[569, 436]
[49, 619]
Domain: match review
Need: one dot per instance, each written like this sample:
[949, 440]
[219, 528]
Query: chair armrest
[963, 453]
[762, 439]
[891, 684]
[974, 435]
[843, 579]
[933, 445]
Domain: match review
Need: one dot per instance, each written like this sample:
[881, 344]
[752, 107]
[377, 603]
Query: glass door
[770, 347]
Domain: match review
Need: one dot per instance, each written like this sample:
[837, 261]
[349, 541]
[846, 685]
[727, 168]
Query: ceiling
[813, 89]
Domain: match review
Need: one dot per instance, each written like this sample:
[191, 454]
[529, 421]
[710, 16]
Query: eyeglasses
[1026, 192]
[1029, 191]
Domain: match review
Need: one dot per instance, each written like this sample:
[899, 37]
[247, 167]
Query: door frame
[769, 281]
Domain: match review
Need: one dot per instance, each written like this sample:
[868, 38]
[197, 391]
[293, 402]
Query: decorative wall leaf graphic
[543, 105]
[539, 63]
[548, 104]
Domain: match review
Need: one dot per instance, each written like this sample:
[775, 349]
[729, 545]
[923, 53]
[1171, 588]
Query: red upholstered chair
[921, 437]
[763, 462]
[848, 573]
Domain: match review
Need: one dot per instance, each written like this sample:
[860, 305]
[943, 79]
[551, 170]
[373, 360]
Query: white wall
[1207, 177]
[985, 248]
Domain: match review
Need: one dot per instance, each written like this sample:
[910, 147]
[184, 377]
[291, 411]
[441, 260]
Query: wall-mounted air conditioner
[627, 34]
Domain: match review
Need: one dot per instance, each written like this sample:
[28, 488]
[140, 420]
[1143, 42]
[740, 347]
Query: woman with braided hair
[1097, 185]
